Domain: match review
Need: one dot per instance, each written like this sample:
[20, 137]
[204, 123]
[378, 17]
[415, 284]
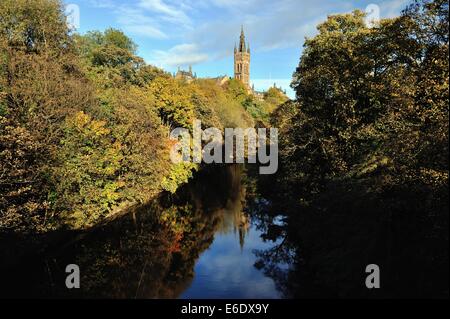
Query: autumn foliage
[84, 122]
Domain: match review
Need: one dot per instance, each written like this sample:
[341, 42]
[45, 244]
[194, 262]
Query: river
[226, 234]
[206, 247]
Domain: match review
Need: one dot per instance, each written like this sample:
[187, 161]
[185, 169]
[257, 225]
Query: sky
[202, 33]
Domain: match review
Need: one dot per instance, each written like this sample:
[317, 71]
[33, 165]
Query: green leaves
[34, 26]
[172, 100]
[370, 94]
[179, 174]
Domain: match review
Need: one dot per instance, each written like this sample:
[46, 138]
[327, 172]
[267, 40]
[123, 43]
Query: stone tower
[242, 61]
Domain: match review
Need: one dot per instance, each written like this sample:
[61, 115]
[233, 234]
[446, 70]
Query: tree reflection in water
[324, 249]
[148, 253]
[152, 251]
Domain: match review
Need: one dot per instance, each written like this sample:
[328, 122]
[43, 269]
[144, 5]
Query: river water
[220, 236]
[207, 246]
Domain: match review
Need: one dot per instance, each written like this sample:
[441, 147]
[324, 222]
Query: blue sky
[172, 33]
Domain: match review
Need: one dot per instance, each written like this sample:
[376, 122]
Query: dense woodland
[364, 157]
[372, 105]
[84, 122]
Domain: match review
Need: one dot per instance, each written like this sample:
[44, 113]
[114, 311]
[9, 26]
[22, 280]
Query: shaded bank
[329, 243]
[364, 158]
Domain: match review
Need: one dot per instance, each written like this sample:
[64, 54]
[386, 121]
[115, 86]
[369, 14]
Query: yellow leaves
[98, 128]
[112, 157]
[434, 177]
[179, 174]
[110, 193]
[173, 101]
[85, 124]
[373, 164]
[89, 178]
[80, 120]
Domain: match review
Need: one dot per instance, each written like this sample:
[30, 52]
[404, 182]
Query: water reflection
[199, 243]
[328, 244]
[220, 237]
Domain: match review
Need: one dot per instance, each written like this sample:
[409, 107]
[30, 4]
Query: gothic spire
[242, 47]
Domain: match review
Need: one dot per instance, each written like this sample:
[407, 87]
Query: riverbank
[85, 122]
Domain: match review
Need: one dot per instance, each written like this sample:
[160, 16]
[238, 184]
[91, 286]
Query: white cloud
[179, 55]
[108, 4]
[268, 24]
[145, 30]
[209, 28]
[134, 22]
[168, 12]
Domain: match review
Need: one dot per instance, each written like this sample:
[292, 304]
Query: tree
[40, 85]
[364, 153]
[172, 100]
[370, 97]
